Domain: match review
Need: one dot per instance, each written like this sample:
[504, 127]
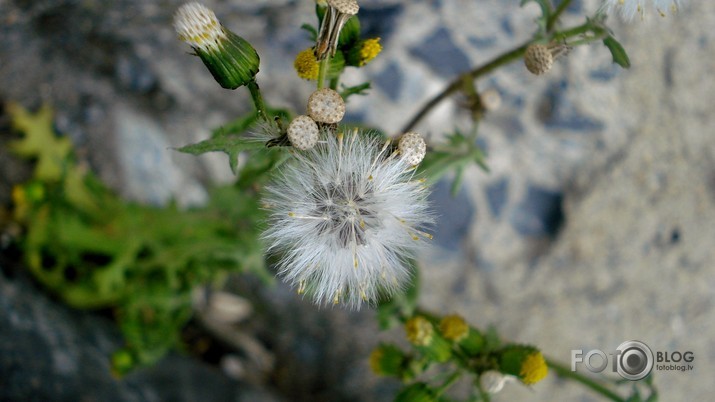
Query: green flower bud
[387, 360]
[525, 362]
[350, 33]
[473, 343]
[232, 61]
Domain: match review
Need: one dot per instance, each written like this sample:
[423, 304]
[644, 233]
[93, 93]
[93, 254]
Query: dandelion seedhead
[412, 147]
[326, 106]
[303, 132]
[344, 218]
[628, 9]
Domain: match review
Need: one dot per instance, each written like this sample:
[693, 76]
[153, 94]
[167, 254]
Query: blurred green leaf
[361, 89]
[39, 141]
[619, 54]
[231, 145]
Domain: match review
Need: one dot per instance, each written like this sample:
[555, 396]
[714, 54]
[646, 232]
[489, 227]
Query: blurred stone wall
[594, 226]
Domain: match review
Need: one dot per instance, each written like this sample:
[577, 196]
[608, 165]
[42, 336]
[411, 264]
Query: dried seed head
[538, 59]
[326, 106]
[412, 147]
[303, 132]
[336, 15]
[349, 7]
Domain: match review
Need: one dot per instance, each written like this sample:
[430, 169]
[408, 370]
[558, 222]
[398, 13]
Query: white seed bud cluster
[349, 7]
[303, 132]
[198, 26]
[493, 381]
[538, 59]
[326, 106]
[412, 147]
[490, 100]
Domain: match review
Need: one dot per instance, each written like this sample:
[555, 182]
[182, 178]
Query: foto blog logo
[632, 360]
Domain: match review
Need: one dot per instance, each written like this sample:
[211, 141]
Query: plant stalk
[565, 372]
[258, 99]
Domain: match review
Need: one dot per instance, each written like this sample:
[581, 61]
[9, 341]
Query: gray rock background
[595, 225]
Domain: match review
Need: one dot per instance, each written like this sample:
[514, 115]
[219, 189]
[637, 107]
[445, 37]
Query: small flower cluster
[339, 40]
[451, 340]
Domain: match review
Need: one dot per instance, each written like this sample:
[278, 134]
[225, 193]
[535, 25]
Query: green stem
[503, 59]
[557, 13]
[565, 372]
[323, 71]
[448, 383]
[334, 83]
[257, 99]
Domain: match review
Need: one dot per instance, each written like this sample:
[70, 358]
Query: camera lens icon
[635, 360]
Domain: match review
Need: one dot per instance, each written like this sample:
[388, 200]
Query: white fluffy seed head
[344, 218]
[349, 7]
[538, 59]
[326, 106]
[412, 148]
[493, 381]
[303, 132]
[198, 26]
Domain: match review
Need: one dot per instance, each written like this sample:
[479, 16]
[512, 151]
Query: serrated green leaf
[231, 145]
[355, 90]
[619, 54]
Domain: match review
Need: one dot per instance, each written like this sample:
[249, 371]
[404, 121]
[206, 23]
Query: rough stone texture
[51, 353]
[593, 227]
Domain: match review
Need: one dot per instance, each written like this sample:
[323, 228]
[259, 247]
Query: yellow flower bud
[454, 328]
[533, 368]
[306, 65]
[369, 50]
[419, 331]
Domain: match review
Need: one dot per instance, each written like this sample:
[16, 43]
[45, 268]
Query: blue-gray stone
[441, 54]
[498, 196]
[456, 213]
[506, 26]
[576, 7]
[557, 112]
[482, 42]
[539, 213]
[135, 74]
[390, 81]
[379, 21]
[605, 73]
[50, 352]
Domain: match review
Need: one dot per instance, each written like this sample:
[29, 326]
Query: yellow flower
[306, 65]
[533, 368]
[419, 331]
[454, 328]
[369, 50]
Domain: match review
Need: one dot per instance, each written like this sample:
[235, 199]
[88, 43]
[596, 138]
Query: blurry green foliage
[94, 250]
